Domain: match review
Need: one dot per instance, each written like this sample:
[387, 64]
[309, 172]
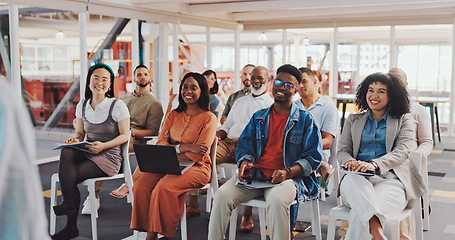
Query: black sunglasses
[280, 83]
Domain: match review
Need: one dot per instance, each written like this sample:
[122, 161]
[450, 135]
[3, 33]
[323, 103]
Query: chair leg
[322, 193]
[331, 228]
[315, 219]
[52, 216]
[208, 201]
[183, 224]
[262, 223]
[91, 190]
[233, 223]
[395, 230]
[426, 201]
[417, 225]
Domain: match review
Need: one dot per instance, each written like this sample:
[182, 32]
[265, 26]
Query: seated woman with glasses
[158, 198]
[379, 139]
[106, 123]
[212, 82]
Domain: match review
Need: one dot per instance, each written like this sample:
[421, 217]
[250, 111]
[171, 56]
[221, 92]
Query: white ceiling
[303, 18]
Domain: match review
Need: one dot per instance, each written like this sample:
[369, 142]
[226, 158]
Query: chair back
[125, 153]
[214, 179]
[333, 153]
[126, 167]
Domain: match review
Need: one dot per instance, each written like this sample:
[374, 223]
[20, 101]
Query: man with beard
[238, 118]
[281, 143]
[246, 80]
[146, 113]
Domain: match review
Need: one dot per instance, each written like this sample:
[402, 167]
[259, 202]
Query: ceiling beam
[272, 5]
[383, 10]
[351, 22]
[156, 1]
[128, 11]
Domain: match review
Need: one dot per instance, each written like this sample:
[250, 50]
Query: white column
[208, 51]
[393, 48]
[134, 44]
[175, 61]
[297, 52]
[357, 66]
[284, 43]
[237, 84]
[162, 85]
[83, 51]
[452, 87]
[146, 52]
[14, 46]
[333, 81]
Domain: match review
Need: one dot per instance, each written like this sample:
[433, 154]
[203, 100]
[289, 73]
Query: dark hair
[308, 71]
[248, 65]
[88, 92]
[214, 89]
[204, 98]
[288, 68]
[396, 92]
[140, 66]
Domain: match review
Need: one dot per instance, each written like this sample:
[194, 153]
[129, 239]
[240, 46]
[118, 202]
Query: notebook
[160, 159]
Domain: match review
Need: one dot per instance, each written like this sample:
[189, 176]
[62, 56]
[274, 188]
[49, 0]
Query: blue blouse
[372, 144]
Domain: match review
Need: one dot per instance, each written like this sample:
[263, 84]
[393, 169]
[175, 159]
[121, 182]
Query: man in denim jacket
[281, 143]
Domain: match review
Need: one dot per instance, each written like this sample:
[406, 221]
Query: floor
[115, 214]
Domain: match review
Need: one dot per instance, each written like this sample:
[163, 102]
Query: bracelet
[289, 173]
[177, 148]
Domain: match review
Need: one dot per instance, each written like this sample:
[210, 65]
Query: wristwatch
[376, 166]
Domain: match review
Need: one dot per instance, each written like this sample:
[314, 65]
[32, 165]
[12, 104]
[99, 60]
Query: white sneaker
[87, 210]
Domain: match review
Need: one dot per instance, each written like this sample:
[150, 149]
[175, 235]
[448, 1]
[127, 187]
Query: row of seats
[337, 213]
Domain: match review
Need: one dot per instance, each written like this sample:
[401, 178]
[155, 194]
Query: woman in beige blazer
[379, 139]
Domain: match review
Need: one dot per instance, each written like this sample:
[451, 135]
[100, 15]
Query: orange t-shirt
[272, 156]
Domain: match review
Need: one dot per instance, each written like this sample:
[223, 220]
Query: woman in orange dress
[159, 198]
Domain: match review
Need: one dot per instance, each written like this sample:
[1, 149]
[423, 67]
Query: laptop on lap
[160, 159]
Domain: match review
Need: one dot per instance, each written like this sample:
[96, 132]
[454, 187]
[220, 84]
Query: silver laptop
[160, 159]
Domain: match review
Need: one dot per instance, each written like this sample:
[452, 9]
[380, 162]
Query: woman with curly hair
[380, 139]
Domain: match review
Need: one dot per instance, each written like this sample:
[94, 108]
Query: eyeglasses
[279, 83]
[208, 78]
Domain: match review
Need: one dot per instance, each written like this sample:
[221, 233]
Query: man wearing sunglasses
[291, 166]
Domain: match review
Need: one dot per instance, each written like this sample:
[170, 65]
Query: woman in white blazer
[378, 139]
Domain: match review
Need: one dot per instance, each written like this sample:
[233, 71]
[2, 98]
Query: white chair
[261, 204]
[336, 177]
[90, 183]
[223, 166]
[413, 210]
[426, 199]
[212, 187]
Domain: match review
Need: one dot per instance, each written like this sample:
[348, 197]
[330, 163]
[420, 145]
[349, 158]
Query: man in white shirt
[239, 116]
